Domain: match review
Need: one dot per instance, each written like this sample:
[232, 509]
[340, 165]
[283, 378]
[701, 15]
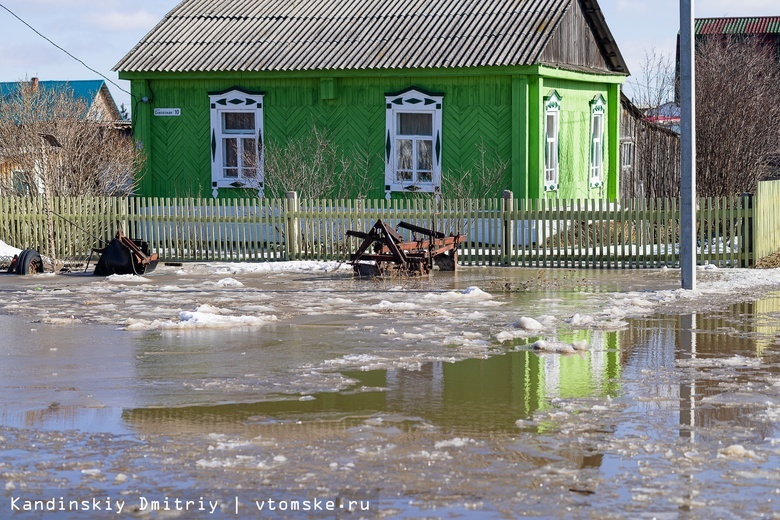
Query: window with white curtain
[413, 142]
[552, 124]
[597, 142]
[236, 140]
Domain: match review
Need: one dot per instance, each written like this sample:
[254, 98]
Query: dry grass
[769, 262]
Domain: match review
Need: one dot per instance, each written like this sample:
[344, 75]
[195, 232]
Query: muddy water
[384, 409]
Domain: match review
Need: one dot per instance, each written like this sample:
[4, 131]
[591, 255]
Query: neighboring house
[93, 93]
[414, 86]
[100, 108]
[650, 153]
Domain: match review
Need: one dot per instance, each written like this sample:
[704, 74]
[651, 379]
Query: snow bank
[6, 250]
[226, 269]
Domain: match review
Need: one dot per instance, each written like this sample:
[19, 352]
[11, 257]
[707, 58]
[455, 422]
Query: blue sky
[101, 32]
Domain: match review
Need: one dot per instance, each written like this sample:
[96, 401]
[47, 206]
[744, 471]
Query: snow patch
[126, 278]
[6, 250]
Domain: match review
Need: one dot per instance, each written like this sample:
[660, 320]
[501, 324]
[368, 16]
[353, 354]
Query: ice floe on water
[528, 324]
[228, 282]
[385, 305]
[457, 442]
[733, 361]
[204, 317]
[470, 294]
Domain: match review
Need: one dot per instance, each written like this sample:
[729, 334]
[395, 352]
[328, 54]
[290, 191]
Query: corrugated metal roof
[84, 90]
[284, 35]
[754, 25]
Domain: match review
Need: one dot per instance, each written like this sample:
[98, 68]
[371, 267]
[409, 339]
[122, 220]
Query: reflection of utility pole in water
[688, 391]
[687, 349]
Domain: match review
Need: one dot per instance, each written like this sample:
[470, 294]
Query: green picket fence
[767, 211]
[500, 232]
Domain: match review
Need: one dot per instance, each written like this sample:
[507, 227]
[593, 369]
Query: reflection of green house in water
[487, 395]
[591, 372]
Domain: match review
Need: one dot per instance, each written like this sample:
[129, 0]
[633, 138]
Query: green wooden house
[419, 86]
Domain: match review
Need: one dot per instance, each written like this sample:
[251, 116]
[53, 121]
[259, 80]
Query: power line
[63, 50]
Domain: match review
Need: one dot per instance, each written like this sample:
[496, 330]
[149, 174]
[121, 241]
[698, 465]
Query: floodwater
[216, 392]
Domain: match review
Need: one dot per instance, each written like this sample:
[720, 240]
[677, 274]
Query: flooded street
[290, 391]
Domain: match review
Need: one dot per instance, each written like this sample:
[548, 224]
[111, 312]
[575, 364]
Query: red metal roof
[748, 25]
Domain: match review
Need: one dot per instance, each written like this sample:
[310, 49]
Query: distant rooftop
[85, 90]
[91, 92]
[747, 25]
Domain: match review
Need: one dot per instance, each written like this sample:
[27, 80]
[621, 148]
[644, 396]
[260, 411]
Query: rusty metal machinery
[384, 251]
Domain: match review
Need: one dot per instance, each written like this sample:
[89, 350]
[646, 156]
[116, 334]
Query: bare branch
[738, 114]
[315, 167]
[92, 158]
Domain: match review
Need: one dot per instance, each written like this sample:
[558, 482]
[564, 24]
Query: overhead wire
[36, 31]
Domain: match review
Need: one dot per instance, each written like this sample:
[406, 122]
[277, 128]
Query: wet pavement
[396, 398]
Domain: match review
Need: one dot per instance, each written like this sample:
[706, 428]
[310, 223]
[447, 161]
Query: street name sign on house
[167, 112]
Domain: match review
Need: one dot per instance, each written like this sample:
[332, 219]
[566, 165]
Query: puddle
[421, 400]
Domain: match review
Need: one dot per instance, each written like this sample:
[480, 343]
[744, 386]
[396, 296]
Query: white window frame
[597, 123]
[412, 101]
[627, 154]
[231, 101]
[552, 142]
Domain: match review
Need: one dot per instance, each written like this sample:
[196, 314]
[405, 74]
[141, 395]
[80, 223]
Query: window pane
[425, 177]
[424, 154]
[230, 157]
[238, 122]
[551, 126]
[627, 154]
[405, 154]
[249, 153]
[230, 152]
[598, 126]
[551, 161]
[412, 123]
[403, 176]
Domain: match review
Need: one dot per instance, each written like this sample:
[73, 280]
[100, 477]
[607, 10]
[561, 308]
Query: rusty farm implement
[384, 251]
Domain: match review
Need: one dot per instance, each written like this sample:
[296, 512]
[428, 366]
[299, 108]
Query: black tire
[30, 262]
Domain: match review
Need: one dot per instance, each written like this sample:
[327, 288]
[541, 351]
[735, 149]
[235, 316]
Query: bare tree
[653, 86]
[738, 114]
[52, 147]
[484, 177]
[316, 167]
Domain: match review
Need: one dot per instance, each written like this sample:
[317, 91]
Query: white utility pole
[687, 147]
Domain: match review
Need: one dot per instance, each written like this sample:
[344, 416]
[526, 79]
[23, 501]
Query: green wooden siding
[501, 110]
[575, 135]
